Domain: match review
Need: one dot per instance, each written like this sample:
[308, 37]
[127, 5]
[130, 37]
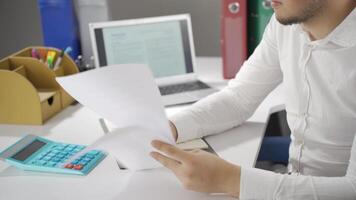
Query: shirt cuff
[258, 184]
[186, 126]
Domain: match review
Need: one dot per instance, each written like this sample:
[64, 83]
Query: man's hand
[198, 170]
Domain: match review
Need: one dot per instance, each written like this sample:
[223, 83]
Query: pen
[59, 60]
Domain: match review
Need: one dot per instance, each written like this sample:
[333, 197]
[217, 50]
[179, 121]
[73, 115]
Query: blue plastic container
[60, 25]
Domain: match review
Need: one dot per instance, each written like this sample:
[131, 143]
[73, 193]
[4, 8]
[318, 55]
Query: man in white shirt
[310, 47]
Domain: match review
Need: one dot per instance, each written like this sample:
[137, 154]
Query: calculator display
[28, 150]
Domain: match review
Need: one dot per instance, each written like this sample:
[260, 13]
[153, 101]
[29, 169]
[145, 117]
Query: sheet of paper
[188, 145]
[127, 96]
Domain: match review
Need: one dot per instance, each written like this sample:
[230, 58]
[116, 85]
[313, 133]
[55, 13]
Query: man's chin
[287, 20]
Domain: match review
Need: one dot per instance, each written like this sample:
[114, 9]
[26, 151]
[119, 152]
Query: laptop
[165, 44]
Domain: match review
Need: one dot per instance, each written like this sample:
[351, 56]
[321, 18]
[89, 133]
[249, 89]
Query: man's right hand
[174, 130]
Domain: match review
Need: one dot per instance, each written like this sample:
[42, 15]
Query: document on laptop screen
[159, 45]
[127, 96]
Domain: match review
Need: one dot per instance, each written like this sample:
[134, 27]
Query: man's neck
[321, 25]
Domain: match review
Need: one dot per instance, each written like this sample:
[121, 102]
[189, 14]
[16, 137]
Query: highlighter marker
[33, 53]
[68, 50]
[50, 58]
[42, 55]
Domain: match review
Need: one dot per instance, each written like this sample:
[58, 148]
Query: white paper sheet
[187, 145]
[126, 95]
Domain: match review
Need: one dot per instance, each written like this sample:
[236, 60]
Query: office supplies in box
[29, 93]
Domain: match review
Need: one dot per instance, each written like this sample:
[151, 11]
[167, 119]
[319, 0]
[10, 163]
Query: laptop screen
[163, 46]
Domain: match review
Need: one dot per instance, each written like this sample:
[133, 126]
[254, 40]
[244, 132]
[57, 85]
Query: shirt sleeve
[259, 75]
[260, 184]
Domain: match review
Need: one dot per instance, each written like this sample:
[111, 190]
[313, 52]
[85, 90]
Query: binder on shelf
[233, 36]
[29, 93]
[260, 12]
[60, 25]
[89, 11]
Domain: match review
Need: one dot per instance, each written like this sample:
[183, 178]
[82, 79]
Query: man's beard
[309, 11]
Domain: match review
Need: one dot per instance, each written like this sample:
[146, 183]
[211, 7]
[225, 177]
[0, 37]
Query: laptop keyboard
[184, 87]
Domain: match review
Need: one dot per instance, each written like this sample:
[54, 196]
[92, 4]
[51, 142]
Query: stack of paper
[126, 95]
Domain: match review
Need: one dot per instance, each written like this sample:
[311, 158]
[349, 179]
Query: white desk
[78, 124]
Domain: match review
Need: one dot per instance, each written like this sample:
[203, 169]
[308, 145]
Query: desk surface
[78, 124]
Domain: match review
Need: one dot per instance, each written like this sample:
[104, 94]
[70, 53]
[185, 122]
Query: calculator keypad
[57, 155]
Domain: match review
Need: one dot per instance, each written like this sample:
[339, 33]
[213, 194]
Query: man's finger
[166, 161]
[170, 150]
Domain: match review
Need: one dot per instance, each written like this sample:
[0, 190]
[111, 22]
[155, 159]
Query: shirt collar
[343, 35]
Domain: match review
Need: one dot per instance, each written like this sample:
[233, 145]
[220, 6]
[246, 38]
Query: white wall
[19, 25]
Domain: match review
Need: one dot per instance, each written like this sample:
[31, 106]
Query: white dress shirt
[319, 80]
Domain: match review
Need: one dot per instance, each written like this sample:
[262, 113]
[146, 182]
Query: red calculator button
[69, 166]
[78, 167]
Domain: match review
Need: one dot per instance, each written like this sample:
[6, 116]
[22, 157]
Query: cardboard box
[29, 93]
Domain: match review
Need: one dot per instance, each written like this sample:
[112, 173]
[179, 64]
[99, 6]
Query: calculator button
[66, 151]
[38, 162]
[46, 158]
[71, 147]
[68, 148]
[41, 162]
[62, 154]
[80, 147]
[83, 163]
[76, 161]
[90, 156]
[51, 155]
[76, 150]
[50, 164]
[42, 155]
[78, 167]
[87, 159]
[93, 152]
[69, 166]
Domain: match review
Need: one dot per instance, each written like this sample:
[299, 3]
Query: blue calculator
[39, 154]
